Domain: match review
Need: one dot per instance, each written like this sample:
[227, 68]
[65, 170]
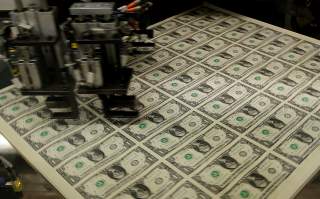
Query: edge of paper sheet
[283, 30]
[36, 161]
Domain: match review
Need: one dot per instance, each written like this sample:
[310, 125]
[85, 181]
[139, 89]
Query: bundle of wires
[135, 6]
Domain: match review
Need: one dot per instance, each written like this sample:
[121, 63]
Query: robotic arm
[87, 55]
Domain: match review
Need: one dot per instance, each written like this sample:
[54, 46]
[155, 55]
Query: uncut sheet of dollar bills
[229, 108]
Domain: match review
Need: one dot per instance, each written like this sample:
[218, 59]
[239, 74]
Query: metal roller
[84, 67]
[44, 5]
[96, 67]
[19, 5]
[24, 74]
[34, 74]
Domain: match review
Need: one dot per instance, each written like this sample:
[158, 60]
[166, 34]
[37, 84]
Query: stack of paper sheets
[229, 109]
